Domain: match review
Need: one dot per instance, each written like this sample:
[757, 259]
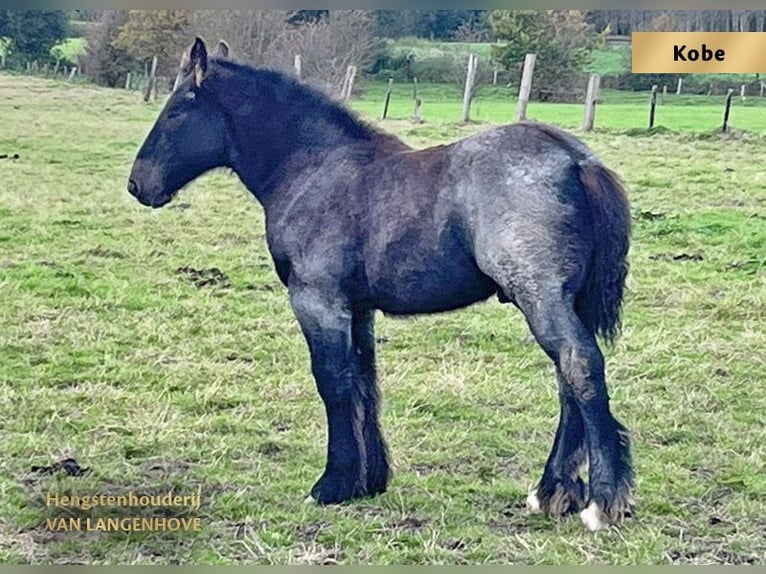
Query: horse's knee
[582, 367]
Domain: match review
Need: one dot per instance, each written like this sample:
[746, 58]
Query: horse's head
[188, 138]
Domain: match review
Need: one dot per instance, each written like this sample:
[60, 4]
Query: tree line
[124, 41]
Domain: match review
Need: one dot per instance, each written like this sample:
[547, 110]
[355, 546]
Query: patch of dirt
[750, 265]
[68, 466]
[649, 216]
[270, 449]
[677, 257]
[308, 532]
[265, 287]
[180, 206]
[165, 468]
[212, 277]
[409, 523]
[106, 253]
[240, 358]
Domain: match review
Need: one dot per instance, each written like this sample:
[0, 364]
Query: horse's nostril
[132, 187]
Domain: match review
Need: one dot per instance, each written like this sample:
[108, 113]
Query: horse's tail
[599, 303]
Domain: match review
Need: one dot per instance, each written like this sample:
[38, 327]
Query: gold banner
[699, 52]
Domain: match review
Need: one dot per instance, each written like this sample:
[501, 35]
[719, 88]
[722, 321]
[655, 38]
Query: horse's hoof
[309, 500]
[533, 503]
[593, 518]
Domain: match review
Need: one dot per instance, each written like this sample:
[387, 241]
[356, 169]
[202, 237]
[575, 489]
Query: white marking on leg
[309, 500]
[592, 517]
[533, 502]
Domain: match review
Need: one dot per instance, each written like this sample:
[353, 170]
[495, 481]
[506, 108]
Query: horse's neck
[266, 154]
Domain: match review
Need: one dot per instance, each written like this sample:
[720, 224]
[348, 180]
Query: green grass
[618, 110]
[110, 353]
[424, 49]
[610, 61]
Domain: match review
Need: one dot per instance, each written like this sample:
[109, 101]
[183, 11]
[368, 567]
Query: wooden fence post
[526, 86]
[388, 98]
[56, 67]
[763, 87]
[652, 105]
[416, 116]
[726, 111]
[298, 64]
[678, 89]
[127, 81]
[470, 78]
[742, 92]
[72, 73]
[590, 102]
[151, 84]
[664, 94]
[494, 76]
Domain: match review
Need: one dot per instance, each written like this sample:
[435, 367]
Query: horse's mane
[304, 96]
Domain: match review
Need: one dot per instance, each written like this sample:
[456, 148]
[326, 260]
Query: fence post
[415, 88]
[742, 92]
[494, 77]
[416, 117]
[590, 102]
[726, 111]
[652, 105]
[678, 89]
[72, 73]
[473, 62]
[127, 81]
[388, 98]
[2, 61]
[526, 86]
[152, 81]
[298, 64]
[664, 94]
[763, 86]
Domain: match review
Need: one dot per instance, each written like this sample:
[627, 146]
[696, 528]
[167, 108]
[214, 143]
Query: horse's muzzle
[148, 199]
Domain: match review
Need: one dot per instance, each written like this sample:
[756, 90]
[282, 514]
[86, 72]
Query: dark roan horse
[357, 221]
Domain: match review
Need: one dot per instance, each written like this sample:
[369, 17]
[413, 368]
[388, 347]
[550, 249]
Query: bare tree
[250, 33]
[328, 47]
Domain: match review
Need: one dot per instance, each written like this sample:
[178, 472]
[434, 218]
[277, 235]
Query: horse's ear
[222, 50]
[198, 60]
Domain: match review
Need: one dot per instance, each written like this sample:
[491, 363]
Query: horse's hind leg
[376, 451]
[561, 491]
[580, 366]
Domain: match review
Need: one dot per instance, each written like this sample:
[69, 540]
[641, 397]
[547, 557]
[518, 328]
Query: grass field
[157, 348]
[617, 110]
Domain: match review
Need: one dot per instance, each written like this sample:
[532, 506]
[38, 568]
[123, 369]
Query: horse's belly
[422, 282]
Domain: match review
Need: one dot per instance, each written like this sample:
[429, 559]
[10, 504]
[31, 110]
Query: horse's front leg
[326, 321]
